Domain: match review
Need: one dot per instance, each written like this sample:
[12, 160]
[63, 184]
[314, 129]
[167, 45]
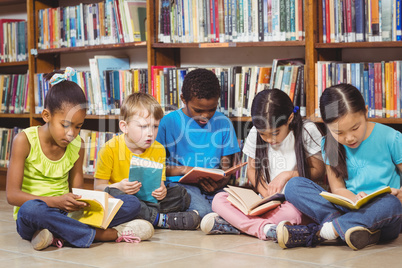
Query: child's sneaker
[44, 238]
[134, 231]
[188, 220]
[270, 232]
[359, 237]
[212, 223]
[290, 236]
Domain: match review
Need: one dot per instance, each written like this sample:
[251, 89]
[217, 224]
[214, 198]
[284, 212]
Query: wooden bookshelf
[11, 2]
[92, 48]
[13, 64]
[230, 44]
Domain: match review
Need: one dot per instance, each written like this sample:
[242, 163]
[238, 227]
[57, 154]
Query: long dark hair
[272, 108]
[65, 92]
[336, 102]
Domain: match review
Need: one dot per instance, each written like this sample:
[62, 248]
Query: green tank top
[45, 177]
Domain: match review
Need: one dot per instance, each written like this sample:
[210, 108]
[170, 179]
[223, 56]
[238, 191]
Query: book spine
[360, 21]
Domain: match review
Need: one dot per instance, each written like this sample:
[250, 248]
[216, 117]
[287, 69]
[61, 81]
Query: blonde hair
[137, 103]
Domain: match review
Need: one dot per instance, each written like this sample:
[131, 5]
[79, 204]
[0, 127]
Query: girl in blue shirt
[361, 157]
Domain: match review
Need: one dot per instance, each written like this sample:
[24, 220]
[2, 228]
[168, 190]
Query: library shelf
[14, 115]
[391, 44]
[92, 48]
[14, 63]
[230, 44]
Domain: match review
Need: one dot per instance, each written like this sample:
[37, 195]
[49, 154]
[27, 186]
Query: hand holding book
[194, 175]
[346, 202]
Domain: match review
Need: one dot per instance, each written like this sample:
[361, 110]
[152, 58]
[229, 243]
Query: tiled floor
[188, 249]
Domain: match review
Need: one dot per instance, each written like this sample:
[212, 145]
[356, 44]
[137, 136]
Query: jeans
[35, 215]
[177, 199]
[200, 200]
[382, 213]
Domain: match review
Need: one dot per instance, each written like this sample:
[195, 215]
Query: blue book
[365, 83]
[360, 20]
[149, 173]
[109, 63]
[324, 27]
[357, 75]
[353, 74]
[73, 28]
[371, 104]
[398, 21]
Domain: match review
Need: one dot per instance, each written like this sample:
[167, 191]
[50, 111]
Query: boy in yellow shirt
[141, 114]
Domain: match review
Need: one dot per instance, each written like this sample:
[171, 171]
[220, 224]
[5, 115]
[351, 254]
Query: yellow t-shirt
[113, 163]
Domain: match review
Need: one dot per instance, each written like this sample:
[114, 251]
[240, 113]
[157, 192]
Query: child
[280, 146]
[361, 157]
[46, 162]
[198, 136]
[141, 114]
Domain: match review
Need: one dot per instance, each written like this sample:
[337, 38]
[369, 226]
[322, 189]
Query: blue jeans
[35, 215]
[383, 213]
[176, 199]
[200, 200]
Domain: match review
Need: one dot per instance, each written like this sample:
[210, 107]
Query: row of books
[239, 85]
[14, 95]
[379, 82]
[6, 139]
[188, 21]
[361, 20]
[13, 40]
[101, 101]
[93, 142]
[106, 22]
[240, 178]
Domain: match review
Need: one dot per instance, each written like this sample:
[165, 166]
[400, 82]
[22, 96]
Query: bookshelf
[312, 49]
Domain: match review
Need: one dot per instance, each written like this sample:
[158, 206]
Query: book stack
[230, 21]
[239, 84]
[361, 21]
[379, 82]
[108, 82]
[13, 40]
[93, 142]
[6, 140]
[14, 93]
[106, 22]
[288, 76]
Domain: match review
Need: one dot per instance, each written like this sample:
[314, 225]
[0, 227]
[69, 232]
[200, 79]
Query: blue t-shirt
[372, 165]
[189, 144]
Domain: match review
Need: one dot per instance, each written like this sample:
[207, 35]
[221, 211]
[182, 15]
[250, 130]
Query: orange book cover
[216, 174]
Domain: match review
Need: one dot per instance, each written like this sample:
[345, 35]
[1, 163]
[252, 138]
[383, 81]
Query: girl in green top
[46, 162]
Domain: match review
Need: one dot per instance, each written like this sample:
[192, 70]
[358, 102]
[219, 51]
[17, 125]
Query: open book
[345, 202]
[250, 203]
[101, 211]
[149, 173]
[214, 173]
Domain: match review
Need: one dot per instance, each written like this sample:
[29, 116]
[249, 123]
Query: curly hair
[201, 84]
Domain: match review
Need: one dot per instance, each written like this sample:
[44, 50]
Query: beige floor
[188, 249]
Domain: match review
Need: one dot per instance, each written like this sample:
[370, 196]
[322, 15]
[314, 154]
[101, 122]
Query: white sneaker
[43, 239]
[134, 231]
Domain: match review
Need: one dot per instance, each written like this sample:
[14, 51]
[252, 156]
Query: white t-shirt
[283, 157]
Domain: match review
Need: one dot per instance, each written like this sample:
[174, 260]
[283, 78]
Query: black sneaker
[359, 237]
[188, 220]
[290, 236]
